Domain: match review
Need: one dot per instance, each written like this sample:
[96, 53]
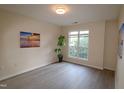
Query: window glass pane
[83, 44]
[73, 44]
[83, 41]
[83, 52]
[84, 32]
[73, 36]
[78, 44]
[73, 33]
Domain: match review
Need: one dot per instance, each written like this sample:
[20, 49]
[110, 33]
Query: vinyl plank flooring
[62, 76]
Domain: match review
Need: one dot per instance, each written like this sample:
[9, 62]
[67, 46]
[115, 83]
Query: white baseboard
[95, 67]
[19, 73]
[109, 68]
[87, 65]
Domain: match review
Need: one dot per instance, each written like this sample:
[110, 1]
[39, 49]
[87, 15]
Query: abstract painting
[28, 40]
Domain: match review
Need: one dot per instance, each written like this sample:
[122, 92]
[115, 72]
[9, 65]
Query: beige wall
[96, 43]
[15, 60]
[111, 44]
[119, 81]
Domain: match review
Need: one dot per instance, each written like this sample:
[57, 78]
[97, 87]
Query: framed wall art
[29, 40]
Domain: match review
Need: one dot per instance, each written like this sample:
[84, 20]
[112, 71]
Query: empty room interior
[61, 46]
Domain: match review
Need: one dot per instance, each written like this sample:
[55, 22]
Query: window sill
[78, 58]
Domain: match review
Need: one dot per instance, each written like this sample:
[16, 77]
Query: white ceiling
[75, 13]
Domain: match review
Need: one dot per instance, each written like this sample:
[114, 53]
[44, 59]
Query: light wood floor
[62, 76]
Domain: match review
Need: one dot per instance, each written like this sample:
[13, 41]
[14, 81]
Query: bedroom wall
[111, 44]
[15, 60]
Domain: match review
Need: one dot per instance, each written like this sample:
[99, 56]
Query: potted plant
[60, 45]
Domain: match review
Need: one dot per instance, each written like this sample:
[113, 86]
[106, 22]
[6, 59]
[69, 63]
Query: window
[78, 44]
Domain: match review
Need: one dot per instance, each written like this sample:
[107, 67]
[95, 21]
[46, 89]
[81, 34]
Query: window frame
[85, 59]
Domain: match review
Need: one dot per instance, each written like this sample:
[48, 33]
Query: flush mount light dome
[60, 10]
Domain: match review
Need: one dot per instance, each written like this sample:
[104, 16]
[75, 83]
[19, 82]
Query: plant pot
[60, 57]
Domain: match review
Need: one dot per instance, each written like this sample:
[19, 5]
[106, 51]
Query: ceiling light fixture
[60, 10]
